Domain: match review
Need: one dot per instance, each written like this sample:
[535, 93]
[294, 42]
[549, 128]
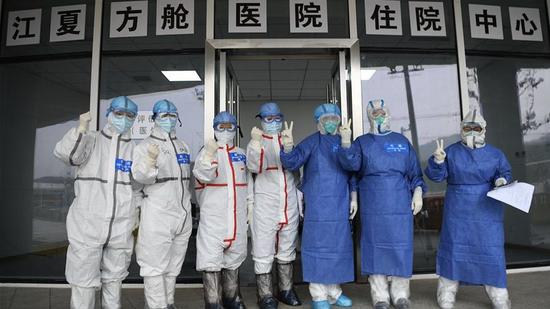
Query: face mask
[121, 125]
[473, 139]
[330, 127]
[225, 137]
[167, 125]
[272, 127]
[379, 120]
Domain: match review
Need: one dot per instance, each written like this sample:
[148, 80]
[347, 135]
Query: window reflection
[423, 97]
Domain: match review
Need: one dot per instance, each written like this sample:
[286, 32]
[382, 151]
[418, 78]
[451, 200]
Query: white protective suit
[276, 214]
[222, 192]
[102, 216]
[166, 221]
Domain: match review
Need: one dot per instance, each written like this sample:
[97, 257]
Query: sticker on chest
[237, 157]
[183, 158]
[124, 166]
[396, 147]
[335, 148]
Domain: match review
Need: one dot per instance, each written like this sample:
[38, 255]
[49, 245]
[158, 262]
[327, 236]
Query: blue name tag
[183, 158]
[237, 157]
[396, 147]
[124, 166]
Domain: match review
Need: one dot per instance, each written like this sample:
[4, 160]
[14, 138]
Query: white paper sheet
[516, 194]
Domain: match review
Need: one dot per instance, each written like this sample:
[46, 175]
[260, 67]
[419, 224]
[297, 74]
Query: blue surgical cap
[122, 104]
[269, 109]
[164, 106]
[224, 117]
[326, 109]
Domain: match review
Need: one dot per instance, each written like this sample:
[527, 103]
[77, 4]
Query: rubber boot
[287, 294]
[170, 286]
[211, 281]
[265, 292]
[231, 298]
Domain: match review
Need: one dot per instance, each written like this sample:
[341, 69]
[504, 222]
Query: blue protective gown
[327, 248]
[388, 172]
[471, 247]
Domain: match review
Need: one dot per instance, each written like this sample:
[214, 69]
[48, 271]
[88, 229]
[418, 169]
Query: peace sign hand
[345, 134]
[286, 137]
[439, 152]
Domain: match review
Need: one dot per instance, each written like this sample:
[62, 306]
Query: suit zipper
[114, 194]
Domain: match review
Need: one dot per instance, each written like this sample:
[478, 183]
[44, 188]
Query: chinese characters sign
[128, 19]
[308, 16]
[383, 17]
[485, 22]
[23, 27]
[525, 24]
[68, 23]
[175, 17]
[427, 18]
[248, 16]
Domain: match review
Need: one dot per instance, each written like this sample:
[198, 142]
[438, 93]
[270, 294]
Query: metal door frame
[345, 45]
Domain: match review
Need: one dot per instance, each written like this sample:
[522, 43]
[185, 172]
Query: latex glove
[250, 208]
[286, 137]
[345, 134]
[256, 134]
[300, 203]
[152, 154]
[137, 219]
[84, 122]
[210, 150]
[353, 205]
[439, 152]
[500, 182]
[417, 203]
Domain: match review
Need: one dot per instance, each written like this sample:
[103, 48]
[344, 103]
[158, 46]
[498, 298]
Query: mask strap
[179, 120]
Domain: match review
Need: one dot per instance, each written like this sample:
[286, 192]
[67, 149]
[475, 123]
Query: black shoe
[289, 297]
[233, 303]
[213, 306]
[268, 302]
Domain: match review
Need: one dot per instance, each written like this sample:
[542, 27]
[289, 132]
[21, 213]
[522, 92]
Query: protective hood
[473, 139]
[379, 124]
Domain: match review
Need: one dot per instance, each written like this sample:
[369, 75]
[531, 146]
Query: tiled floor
[528, 290]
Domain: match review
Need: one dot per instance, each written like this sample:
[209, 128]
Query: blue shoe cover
[343, 301]
[321, 304]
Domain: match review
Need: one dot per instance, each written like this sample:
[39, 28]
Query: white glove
[353, 205]
[345, 134]
[210, 150]
[250, 208]
[256, 134]
[286, 137]
[137, 219]
[300, 203]
[439, 152]
[84, 122]
[417, 202]
[152, 154]
[500, 182]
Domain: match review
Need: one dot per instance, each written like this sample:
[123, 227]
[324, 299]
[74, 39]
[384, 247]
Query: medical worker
[275, 215]
[327, 248]
[222, 182]
[390, 190]
[471, 247]
[103, 214]
[161, 163]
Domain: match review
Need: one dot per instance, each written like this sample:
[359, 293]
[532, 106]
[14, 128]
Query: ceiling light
[367, 74]
[182, 76]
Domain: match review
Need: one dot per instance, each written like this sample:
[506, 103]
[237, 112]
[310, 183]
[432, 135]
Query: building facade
[431, 61]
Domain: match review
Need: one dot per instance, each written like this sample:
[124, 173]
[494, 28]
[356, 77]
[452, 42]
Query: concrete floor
[527, 290]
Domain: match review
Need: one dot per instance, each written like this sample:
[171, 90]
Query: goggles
[168, 116]
[378, 112]
[225, 126]
[470, 128]
[270, 119]
[329, 118]
[120, 114]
